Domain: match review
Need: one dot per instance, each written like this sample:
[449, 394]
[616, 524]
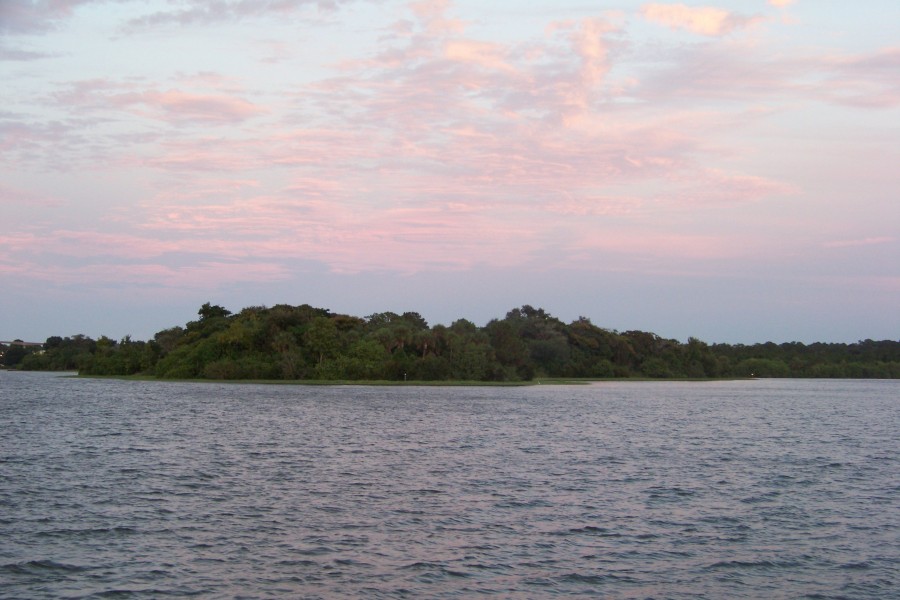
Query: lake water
[743, 489]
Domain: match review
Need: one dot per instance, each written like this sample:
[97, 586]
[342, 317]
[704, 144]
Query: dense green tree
[511, 350]
[60, 354]
[322, 339]
[208, 311]
[300, 342]
[168, 339]
[15, 353]
[288, 355]
[656, 367]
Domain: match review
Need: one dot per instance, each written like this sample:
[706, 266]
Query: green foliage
[304, 342]
[212, 312]
[123, 358]
[61, 354]
[656, 367]
[14, 354]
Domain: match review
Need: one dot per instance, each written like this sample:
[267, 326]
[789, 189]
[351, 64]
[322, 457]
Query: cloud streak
[206, 13]
[869, 241]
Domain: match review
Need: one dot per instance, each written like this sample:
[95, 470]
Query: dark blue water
[746, 489]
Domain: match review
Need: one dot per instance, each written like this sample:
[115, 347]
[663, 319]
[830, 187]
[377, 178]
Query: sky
[726, 170]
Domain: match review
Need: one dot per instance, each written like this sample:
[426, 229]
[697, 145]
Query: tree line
[308, 343]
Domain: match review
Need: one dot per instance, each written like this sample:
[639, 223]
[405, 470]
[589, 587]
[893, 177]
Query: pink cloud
[867, 81]
[577, 89]
[712, 186]
[411, 239]
[13, 197]
[659, 247]
[703, 20]
[195, 156]
[434, 58]
[432, 125]
[486, 55]
[96, 257]
[199, 275]
[178, 105]
[330, 149]
[869, 241]
[19, 241]
[258, 218]
[593, 49]
[714, 72]
[596, 205]
[443, 151]
[56, 144]
[92, 244]
[303, 222]
[432, 14]
[172, 105]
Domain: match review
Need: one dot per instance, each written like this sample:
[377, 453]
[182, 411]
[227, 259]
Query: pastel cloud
[483, 54]
[20, 54]
[654, 245]
[866, 81]
[173, 105]
[702, 20]
[13, 197]
[35, 16]
[199, 275]
[203, 12]
[182, 106]
[712, 73]
[869, 241]
[419, 157]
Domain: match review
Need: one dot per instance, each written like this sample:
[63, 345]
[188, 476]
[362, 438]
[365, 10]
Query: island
[304, 343]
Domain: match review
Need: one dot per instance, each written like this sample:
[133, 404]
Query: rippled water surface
[745, 489]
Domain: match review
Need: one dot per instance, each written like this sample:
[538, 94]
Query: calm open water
[744, 489]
